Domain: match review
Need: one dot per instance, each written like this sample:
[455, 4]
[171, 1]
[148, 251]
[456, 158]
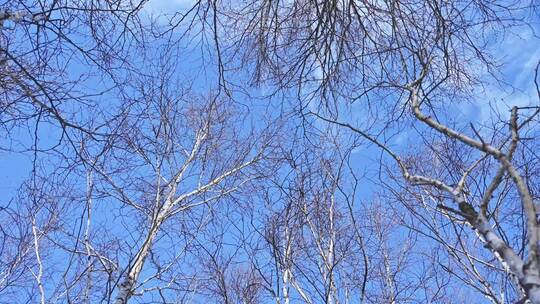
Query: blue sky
[519, 55]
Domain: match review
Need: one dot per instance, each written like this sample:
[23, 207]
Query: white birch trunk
[126, 288]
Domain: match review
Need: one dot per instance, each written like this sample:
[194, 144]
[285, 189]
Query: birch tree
[387, 69]
[269, 152]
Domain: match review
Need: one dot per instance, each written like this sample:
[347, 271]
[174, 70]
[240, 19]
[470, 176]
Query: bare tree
[266, 151]
[377, 69]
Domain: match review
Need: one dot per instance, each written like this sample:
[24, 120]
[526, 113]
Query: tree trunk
[126, 288]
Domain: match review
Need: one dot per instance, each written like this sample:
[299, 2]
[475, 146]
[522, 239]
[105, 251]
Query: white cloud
[167, 7]
[518, 54]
